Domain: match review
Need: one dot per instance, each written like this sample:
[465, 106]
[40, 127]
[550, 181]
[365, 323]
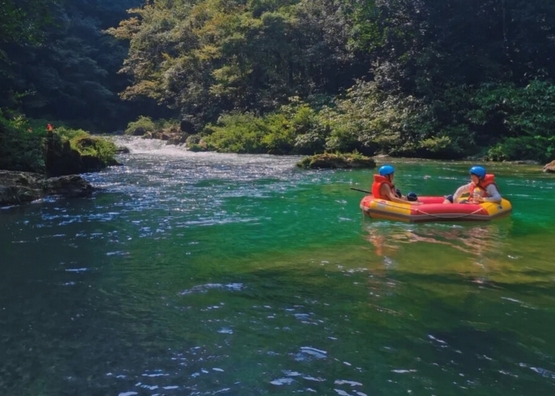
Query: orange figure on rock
[49, 127]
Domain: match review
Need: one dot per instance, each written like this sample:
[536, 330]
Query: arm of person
[465, 189]
[493, 193]
[386, 191]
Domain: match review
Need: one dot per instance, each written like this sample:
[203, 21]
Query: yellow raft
[433, 209]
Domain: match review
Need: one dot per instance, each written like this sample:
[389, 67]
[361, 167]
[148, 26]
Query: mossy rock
[337, 161]
[83, 154]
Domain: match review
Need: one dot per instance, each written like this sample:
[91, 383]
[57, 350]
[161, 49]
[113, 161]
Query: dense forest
[425, 78]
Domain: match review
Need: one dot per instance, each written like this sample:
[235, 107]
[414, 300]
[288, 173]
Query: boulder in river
[22, 187]
[336, 161]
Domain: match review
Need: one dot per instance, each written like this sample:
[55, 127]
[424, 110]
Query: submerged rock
[23, 187]
[337, 161]
[171, 136]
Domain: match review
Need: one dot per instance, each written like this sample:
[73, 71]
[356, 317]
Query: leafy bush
[280, 134]
[459, 121]
[21, 148]
[536, 148]
[237, 133]
[518, 120]
[85, 144]
[297, 128]
[505, 110]
[103, 149]
[367, 120]
[312, 142]
[70, 134]
[454, 142]
[140, 127]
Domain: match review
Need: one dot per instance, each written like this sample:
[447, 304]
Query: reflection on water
[204, 274]
[476, 239]
[482, 253]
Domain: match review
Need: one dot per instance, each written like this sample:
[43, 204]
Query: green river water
[213, 274]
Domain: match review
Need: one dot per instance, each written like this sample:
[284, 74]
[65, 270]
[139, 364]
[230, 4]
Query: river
[223, 274]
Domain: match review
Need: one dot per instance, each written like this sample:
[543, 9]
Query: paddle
[364, 191]
[398, 192]
[410, 196]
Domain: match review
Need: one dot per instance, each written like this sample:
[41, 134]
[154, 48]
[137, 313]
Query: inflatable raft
[433, 209]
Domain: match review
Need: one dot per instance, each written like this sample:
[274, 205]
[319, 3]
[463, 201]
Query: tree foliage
[208, 57]
[434, 78]
[424, 46]
[23, 21]
[65, 68]
[21, 148]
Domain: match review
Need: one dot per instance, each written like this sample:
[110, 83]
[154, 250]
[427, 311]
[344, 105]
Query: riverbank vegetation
[336, 161]
[27, 145]
[433, 79]
[56, 67]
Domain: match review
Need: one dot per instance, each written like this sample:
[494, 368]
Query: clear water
[205, 274]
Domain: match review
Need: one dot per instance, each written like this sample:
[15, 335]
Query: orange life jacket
[486, 181]
[380, 180]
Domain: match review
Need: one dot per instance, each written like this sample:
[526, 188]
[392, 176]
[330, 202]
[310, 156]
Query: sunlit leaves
[248, 55]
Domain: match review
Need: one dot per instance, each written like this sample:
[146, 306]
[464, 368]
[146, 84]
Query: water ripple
[210, 286]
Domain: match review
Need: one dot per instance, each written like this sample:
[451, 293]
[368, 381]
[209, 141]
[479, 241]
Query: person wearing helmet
[482, 188]
[383, 187]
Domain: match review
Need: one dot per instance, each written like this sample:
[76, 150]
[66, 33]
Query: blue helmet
[479, 171]
[386, 170]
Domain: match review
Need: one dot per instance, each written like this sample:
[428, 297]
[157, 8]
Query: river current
[222, 274]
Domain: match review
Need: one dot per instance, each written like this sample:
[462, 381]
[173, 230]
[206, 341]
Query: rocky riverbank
[23, 187]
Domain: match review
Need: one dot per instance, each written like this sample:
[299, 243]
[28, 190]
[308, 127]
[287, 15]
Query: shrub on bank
[519, 121]
[535, 148]
[92, 146]
[140, 127]
[505, 121]
[293, 130]
[146, 126]
[237, 133]
[21, 147]
[25, 145]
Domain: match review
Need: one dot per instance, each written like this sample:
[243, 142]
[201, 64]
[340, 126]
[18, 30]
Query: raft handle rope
[457, 217]
[431, 214]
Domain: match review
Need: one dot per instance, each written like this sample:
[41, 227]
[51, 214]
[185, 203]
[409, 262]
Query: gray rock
[22, 187]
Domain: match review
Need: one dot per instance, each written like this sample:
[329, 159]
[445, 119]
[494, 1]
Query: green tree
[71, 73]
[424, 47]
[208, 57]
[23, 21]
